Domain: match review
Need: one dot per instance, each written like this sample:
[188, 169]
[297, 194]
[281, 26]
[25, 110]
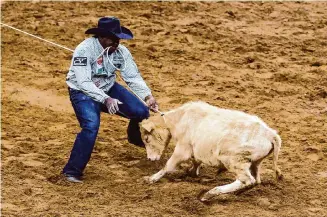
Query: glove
[112, 105]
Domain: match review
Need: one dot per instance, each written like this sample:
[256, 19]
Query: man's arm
[132, 76]
[81, 65]
[134, 80]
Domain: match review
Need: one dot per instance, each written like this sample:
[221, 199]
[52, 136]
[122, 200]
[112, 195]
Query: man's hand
[152, 103]
[112, 105]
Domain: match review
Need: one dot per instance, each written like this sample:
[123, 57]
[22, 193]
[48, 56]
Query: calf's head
[155, 137]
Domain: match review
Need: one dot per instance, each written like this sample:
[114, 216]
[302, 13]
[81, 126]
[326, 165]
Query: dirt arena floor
[267, 59]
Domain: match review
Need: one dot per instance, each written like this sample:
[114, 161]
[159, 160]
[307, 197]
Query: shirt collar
[98, 46]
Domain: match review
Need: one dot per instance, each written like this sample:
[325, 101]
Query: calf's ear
[147, 125]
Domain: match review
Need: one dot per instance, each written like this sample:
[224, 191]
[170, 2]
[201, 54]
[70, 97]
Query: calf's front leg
[180, 154]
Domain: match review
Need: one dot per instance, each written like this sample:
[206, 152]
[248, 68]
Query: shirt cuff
[103, 99]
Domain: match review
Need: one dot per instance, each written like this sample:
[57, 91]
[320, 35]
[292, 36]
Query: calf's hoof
[207, 197]
[149, 179]
[204, 196]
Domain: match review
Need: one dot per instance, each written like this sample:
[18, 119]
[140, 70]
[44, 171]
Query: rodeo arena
[159, 108]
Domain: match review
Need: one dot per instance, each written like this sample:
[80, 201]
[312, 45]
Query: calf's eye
[146, 138]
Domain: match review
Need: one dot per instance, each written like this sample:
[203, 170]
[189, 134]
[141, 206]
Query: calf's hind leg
[255, 170]
[244, 180]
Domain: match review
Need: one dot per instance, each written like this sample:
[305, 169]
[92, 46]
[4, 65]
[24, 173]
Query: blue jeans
[88, 112]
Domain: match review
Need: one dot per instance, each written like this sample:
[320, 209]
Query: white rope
[111, 61]
[105, 50]
[37, 37]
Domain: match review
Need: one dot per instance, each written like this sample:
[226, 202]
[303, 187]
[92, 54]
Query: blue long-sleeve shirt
[94, 75]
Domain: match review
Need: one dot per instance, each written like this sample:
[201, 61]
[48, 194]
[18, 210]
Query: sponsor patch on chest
[80, 61]
[100, 67]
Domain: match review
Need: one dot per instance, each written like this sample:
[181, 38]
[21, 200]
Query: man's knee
[141, 113]
[92, 124]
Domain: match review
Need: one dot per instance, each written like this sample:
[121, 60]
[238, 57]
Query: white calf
[213, 136]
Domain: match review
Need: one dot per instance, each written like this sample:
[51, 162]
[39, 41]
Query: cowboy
[93, 89]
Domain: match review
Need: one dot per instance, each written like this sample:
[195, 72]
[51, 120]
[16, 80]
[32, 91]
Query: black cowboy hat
[108, 26]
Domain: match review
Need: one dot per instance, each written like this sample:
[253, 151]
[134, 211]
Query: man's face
[111, 42]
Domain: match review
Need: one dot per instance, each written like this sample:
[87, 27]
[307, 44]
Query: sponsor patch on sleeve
[80, 61]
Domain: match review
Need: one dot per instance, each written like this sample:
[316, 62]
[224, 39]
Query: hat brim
[125, 34]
